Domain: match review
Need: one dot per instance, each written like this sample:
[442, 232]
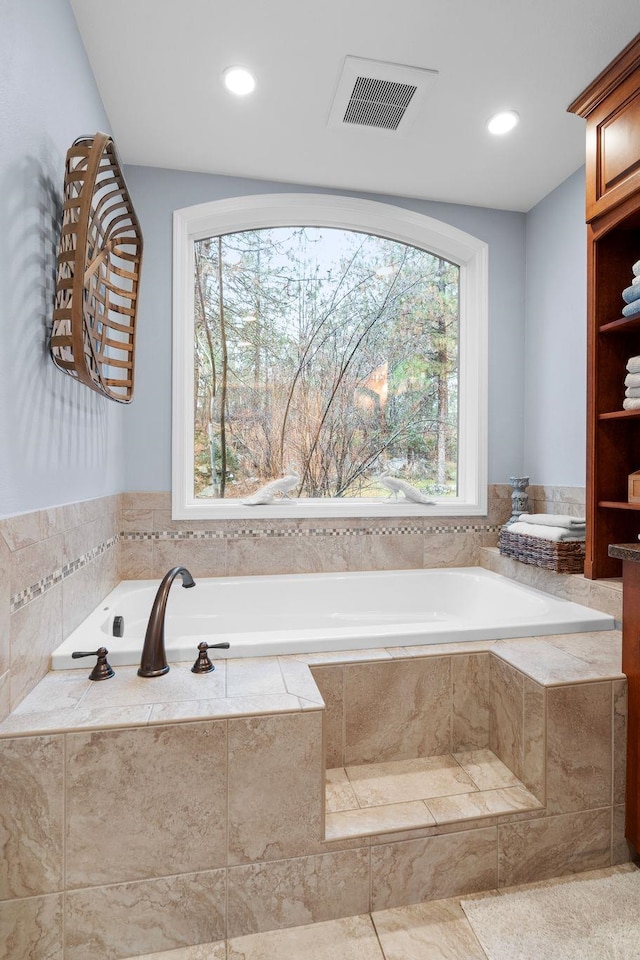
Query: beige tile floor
[437, 930]
[404, 794]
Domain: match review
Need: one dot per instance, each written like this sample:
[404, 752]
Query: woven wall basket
[94, 317]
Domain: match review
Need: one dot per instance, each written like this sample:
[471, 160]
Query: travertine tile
[35, 631]
[59, 690]
[161, 788]
[351, 938]
[108, 923]
[5, 695]
[433, 868]
[486, 770]
[226, 707]
[619, 740]
[427, 931]
[550, 847]
[380, 783]
[299, 680]
[276, 786]
[534, 746]
[202, 558]
[397, 710]
[32, 928]
[204, 951]
[81, 718]
[136, 560]
[547, 663]
[470, 702]
[377, 820]
[25, 529]
[600, 648]
[83, 591]
[138, 520]
[579, 735]
[146, 500]
[254, 676]
[488, 803]
[127, 688]
[289, 893]
[330, 682]
[621, 849]
[34, 562]
[339, 792]
[452, 549]
[31, 816]
[277, 556]
[506, 714]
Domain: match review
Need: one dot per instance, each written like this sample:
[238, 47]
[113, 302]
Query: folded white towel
[636, 268]
[633, 364]
[632, 392]
[631, 403]
[632, 380]
[636, 280]
[553, 520]
[557, 534]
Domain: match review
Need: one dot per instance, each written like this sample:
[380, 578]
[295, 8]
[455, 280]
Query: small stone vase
[519, 498]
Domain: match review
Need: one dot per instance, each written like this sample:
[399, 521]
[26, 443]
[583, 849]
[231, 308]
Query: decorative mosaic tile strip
[20, 599]
[25, 596]
[293, 532]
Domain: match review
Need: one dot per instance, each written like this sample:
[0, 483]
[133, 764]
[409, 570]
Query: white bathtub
[310, 613]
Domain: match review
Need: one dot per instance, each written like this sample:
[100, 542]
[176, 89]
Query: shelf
[618, 505]
[624, 325]
[620, 415]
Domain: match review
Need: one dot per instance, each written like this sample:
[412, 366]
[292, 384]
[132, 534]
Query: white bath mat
[597, 919]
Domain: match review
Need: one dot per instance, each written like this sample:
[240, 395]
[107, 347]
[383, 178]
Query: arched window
[337, 341]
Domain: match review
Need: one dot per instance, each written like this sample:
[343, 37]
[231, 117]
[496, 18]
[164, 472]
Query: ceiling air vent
[380, 96]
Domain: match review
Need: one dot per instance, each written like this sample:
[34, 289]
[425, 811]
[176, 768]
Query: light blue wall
[60, 441]
[156, 193]
[555, 342]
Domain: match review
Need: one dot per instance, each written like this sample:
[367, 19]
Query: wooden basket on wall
[99, 259]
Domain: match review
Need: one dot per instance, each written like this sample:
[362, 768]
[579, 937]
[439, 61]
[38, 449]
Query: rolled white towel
[553, 520]
[633, 365]
[636, 280]
[557, 534]
[632, 392]
[631, 403]
[636, 268]
[632, 380]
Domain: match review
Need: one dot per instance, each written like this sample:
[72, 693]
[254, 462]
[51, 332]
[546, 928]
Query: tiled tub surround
[141, 816]
[152, 542]
[55, 566]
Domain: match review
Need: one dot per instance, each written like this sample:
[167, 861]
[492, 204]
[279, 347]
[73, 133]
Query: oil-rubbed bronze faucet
[153, 662]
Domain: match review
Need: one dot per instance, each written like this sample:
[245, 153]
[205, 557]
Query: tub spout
[153, 662]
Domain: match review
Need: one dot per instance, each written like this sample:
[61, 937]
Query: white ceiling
[158, 66]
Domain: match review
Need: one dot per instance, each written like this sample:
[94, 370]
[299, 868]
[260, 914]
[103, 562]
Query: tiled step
[380, 798]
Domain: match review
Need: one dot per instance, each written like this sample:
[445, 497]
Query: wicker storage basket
[564, 557]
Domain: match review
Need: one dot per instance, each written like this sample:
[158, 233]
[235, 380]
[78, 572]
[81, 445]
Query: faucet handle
[102, 669]
[203, 663]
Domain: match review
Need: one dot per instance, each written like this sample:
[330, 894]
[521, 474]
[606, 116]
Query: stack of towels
[631, 295]
[549, 526]
[632, 380]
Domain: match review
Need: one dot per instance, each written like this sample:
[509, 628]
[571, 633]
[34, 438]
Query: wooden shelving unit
[611, 107]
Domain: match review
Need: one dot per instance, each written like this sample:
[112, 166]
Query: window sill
[307, 509]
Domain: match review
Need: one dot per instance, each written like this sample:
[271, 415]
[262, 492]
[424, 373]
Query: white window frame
[220, 217]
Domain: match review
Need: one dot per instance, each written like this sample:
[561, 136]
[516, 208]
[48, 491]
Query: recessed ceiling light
[239, 80]
[503, 122]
